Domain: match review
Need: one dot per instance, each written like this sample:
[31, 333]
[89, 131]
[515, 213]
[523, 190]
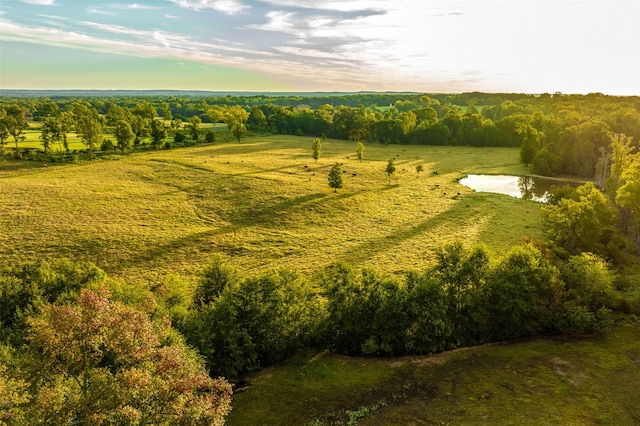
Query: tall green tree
[390, 170]
[216, 115]
[158, 133]
[90, 131]
[335, 177]
[50, 132]
[124, 135]
[194, 127]
[530, 143]
[621, 158]
[235, 117]
[316, 148]
[628, 196]
[582, 224]
[66, 122]
[167, 116]
[15, 121]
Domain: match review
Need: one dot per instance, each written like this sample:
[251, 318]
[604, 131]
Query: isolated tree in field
[124, 135]
[360, 151]
[316, 147]
[158, 133]
[101, 362]
[194, 127]
[235, 117]
[50, 133]
[390, 170]
[335, 177]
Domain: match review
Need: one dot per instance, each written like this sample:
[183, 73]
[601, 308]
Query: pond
[525, 187]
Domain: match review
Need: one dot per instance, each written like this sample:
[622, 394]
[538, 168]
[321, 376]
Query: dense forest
[77, 346]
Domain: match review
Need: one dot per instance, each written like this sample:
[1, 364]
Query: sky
[430, 46]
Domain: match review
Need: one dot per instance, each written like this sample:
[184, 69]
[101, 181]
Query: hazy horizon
[519, 46]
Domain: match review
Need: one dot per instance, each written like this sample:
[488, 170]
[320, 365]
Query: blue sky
[529, 46]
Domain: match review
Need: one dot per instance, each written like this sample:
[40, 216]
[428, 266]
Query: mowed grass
[550, 381]
[143, 216]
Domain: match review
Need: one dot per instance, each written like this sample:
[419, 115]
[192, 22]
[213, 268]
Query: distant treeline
[557, 134]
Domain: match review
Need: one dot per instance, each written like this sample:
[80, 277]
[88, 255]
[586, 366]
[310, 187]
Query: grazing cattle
[344, 171]
[354, 175]
[306, 167]
[435, 172]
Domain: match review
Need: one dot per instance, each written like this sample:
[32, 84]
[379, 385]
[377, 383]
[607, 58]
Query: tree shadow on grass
[267, 214]
[375, 246]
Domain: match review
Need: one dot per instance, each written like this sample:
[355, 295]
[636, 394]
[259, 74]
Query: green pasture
[146, 215]
[551, 381]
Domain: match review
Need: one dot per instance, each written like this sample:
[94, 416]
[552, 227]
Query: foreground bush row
[78, 346]
[469, 297]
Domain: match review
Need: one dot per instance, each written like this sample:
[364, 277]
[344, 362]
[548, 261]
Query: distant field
[564, 381]
[146, 215]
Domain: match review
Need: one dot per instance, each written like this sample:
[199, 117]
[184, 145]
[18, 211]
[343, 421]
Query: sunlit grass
[148, 214]
[585, 381]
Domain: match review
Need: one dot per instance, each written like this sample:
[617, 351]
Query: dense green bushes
[77, 348]
[469, 297]
[240, 323]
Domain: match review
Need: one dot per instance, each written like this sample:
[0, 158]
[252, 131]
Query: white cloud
[40, 2]
[132, 6]
[96, 11]
[339, 6]
[228, 7]
[278, 21]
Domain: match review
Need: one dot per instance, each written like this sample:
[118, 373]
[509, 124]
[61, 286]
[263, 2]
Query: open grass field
[143, 216]
[550, 381]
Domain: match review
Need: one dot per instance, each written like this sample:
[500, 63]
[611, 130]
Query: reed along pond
[526, 187]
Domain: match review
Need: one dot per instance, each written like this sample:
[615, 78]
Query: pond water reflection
[525, 187]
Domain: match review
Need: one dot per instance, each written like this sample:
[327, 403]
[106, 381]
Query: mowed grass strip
[264, 203]
[549, 381]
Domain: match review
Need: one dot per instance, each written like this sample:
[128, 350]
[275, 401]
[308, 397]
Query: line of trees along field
[558, 134]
